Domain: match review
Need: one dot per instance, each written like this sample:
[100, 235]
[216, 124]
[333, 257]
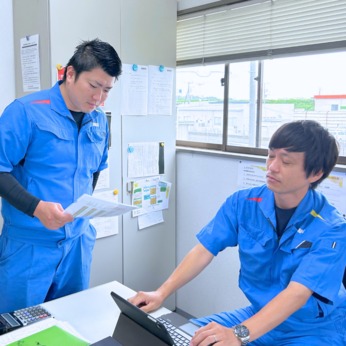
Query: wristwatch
[242, 333]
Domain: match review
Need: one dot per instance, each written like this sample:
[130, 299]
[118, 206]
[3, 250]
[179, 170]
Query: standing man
[53, 144]
[291, 246]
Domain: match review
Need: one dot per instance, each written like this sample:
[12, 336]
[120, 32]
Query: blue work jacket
[311, 252]
[41, 146]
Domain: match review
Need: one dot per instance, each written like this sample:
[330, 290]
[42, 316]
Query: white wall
[204, 181]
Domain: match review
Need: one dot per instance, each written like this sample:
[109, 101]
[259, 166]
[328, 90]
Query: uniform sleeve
[15, 132]
[323, 268]
[221, 231]
[15, 194]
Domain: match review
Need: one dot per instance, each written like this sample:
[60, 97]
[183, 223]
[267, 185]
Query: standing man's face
[286, 177]
[87, 92]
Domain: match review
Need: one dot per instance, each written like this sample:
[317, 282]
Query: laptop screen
[136, 325]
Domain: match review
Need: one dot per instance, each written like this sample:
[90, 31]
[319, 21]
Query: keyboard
[179, 337]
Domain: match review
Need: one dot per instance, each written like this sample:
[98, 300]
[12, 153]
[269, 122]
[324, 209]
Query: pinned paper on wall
[145, 159]
[251, 174]
[106, 226]
[160, 90]
[334, 188]
[147, 90]
[30, 61]
[150, 195]
[150, 219]
[134, 81]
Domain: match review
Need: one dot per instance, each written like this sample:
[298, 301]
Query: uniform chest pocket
[255, 247]
[51, 143]
[52, 132]
[96, 135]
[97, 138]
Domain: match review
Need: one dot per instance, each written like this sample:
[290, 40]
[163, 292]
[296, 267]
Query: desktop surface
[92, 312]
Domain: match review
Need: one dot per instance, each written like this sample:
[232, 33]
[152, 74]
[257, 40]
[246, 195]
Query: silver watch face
[242, 333]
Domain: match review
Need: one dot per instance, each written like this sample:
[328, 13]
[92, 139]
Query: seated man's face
[286, 177]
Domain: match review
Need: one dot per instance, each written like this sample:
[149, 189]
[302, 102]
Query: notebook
[137, 328]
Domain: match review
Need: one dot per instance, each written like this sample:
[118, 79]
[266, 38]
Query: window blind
[261, 29]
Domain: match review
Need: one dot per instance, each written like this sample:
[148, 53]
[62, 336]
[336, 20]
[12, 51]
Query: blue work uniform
[311, 252]
[42, 147]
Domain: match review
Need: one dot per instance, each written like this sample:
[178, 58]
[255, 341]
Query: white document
[89, 207]
[134, 81]
[30, 60]
[160, 90]
[150, 219]
[150, 195]
[143, 159]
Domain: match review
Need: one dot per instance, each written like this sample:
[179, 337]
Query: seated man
[291, 246]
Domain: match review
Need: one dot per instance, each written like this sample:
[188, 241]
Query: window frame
[224, 147]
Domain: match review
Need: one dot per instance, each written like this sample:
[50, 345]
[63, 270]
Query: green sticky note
[53, 336]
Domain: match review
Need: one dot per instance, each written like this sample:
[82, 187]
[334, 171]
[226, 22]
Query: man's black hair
[320, 148]
[92, 54]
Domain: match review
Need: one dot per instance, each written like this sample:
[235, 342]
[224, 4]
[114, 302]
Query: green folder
[53, 336]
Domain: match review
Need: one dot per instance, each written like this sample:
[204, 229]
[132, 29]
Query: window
[232, 94]
[257, 103]
[200, 103]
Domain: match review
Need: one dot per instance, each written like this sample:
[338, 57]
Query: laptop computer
[137, 328]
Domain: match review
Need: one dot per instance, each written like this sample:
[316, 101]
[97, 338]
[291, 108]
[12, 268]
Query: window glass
[200, 103]
[242, 100]
[306, 87]
[291, 88]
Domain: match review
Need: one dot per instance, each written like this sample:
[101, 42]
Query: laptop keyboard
[179, 337]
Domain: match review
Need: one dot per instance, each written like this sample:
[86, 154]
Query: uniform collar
[310, 206]
[59, 106]
[57, 101]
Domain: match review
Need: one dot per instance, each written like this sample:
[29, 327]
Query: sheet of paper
[160, 90]
[106, 226]
[30, 60]
[143, 159]
[334, 188]
[134, 81]
[103, 180]
[150, 219]
[89, 207]
[251, 174]
[151, 194]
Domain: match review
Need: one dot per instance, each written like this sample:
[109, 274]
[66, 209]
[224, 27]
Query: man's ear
[315, 176]
[70, 73]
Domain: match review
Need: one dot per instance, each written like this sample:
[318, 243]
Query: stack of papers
[89, 207]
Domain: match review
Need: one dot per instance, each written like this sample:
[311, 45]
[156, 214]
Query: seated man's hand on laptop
[147, 301]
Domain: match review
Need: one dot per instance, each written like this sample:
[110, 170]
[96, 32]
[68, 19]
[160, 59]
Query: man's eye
[93, 86]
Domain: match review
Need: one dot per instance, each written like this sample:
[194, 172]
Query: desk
[93, 312]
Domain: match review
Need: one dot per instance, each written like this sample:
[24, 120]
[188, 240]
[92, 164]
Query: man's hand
[52, 215]
[214, 334]
[147, 301]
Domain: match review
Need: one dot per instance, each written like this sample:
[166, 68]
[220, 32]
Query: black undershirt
[20, 198]
[282, 218]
